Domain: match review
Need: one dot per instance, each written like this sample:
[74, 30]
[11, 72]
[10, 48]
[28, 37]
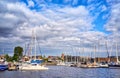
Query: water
[64, 72]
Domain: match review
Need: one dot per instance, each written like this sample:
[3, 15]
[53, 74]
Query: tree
[18, 53]
[8, 58]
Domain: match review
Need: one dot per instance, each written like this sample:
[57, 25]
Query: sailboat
[84, 63]
[33, 64]
[94, 64]
[104, 64]
[117, 63]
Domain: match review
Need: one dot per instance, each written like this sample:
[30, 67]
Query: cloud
[30, 3]
[113, 23]
[99, 9]
[55, 26]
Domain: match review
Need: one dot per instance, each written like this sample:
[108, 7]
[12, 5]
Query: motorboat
[3, 65]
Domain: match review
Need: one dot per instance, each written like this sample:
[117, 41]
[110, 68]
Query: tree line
[18, 53]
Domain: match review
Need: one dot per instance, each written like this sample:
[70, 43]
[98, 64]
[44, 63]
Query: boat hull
[3, 67]
[114, 66]
[32, 68]
[103, 66]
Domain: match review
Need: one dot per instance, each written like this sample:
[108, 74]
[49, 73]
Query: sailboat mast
[35, 44]
[83, 54]
[32, 43]
[94, 54]
[106, 44]
[117, 52]
[111, 49]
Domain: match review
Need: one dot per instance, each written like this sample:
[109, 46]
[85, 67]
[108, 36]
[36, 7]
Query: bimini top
[36, 61]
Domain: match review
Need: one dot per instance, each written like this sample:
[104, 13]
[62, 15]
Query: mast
[98, 49]
[83, 55]
[79, 50]
[71, 55]
[111, 49]
[65, 60]
[117, 52]
[77, 54]
[106, 44]
[32, 43]
[65, 57]
[35, 44]
[94, 54]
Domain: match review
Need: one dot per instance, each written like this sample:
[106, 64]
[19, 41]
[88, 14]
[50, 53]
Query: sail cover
[36, 61]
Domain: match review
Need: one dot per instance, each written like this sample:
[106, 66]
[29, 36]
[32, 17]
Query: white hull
[61, 64]
[94, 65]
[83, 66]
[31, 67]
[104, 66]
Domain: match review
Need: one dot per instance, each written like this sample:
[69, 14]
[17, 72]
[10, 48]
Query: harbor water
[64, 72]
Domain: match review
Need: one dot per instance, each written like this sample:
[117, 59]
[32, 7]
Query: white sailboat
[117, 63]
[94, 64]
[103, 64]
[84, 63]
[33, 64]
[32, 67]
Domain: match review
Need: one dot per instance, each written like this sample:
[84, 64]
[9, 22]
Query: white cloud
[81, 10]
[30, 3]
[54, 27]
[113, 23]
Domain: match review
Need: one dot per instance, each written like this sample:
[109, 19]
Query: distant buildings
[67, 58]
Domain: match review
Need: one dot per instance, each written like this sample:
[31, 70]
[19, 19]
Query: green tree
[8, 58]
[18, 53]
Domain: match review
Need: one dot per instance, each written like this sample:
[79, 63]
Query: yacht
[114, 65]
[117, 63]
[33, 63]
[93, 65]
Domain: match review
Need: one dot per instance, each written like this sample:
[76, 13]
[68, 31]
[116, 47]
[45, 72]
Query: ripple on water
[64, 72]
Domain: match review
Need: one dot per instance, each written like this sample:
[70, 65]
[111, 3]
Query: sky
[61, 26]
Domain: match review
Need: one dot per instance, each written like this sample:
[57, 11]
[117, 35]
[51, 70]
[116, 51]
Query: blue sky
[60, 25]
[100, 7]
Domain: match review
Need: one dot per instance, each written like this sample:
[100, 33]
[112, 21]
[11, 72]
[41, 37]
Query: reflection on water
[64, 72]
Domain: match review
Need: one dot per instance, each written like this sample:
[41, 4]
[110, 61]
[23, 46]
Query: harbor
[63, 60]
[63, 72]
[59, 39]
